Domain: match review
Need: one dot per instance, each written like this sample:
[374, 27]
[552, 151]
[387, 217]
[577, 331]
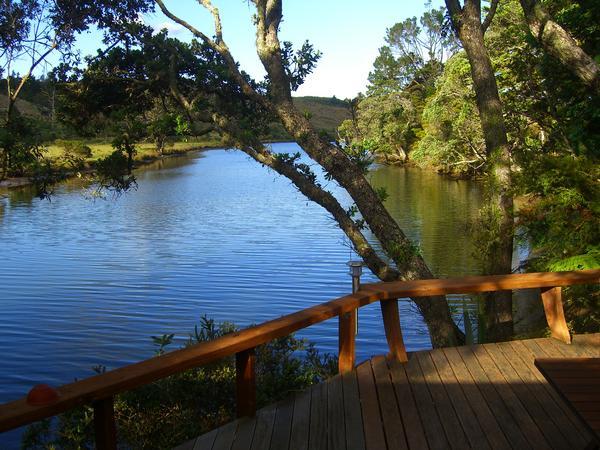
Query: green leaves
[170, 411]
[300, 63]
[162, 342]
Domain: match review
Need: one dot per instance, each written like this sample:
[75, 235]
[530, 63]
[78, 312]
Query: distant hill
[326, 113]
[23, 107]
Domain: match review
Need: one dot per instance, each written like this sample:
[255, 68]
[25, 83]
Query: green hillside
[325, 113]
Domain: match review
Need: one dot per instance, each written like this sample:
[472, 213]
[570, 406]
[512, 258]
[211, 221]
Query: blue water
[87, 282]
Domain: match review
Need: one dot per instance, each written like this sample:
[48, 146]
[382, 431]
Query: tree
[452, 140]
[415, 53]
[498, 218]
[560, 44]
[385, 125]
[30, 30]
[388, 119]
[275, 99]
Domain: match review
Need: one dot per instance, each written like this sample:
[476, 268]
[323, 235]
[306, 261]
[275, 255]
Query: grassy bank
[145, 151]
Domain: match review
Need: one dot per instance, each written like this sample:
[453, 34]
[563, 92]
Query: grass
[325, 114]
[145, 150]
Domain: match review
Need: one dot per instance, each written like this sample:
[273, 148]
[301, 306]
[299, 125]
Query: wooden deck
[482, 397]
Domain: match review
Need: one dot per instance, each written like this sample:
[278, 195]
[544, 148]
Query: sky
[349, 34]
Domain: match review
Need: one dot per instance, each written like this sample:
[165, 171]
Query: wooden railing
[99, 391]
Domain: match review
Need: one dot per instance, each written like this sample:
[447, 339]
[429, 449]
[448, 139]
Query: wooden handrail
[100, 388]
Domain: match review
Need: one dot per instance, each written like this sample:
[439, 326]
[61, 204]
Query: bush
[170, 411]
[76, 148]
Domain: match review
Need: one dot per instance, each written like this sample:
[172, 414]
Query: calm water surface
[87, 282]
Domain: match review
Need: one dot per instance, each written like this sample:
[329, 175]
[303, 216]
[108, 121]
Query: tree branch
[490, 15]
[455, 11]
[217, 18]
[13, 96]
[218, 46]
[559, 43]
[199, 34]
[312, 191]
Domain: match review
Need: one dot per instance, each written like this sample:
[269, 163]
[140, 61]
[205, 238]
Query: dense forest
[421, 108]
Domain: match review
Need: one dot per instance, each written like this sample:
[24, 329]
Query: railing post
[245, 382]
[393, 333]
[555, 315]
[104, 424]
[347, 344]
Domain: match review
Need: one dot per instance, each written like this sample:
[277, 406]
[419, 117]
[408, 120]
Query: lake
[88, 282]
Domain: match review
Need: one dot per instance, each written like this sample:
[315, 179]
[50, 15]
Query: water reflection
[434, 211]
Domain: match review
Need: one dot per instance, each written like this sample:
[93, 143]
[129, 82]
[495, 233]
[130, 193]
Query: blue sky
[347, 32]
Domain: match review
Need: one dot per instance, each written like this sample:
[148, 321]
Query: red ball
[42, 394]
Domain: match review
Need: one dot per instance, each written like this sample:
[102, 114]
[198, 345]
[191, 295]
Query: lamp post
[355, 272]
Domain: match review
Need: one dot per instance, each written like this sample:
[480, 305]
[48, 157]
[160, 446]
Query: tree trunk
[334, 161]
[560, 44]
[435, 311]
[467, 22]
[397, 246]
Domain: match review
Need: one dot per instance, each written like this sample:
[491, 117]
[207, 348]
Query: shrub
[170, 411]
[76, 148]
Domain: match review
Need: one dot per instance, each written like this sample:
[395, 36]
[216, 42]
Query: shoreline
[20, 182]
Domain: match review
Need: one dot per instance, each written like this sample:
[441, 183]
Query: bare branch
[490, 15]
[15, 93]
[217, 18]
[199, 34]
[220, 47]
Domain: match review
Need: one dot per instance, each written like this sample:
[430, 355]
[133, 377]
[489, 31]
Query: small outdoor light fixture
[356, 272]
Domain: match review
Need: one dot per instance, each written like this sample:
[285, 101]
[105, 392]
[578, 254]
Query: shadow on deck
[487, 396]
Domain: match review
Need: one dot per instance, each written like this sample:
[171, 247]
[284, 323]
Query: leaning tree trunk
[467, 22]
[560, 44]
[398, 247]
[411, 265]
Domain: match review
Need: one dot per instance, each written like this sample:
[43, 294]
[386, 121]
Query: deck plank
[392, 422]
[206, 441]
[283, 425]
[188, 445]
[530, 351]
[481, 396]
[515, 355]
[265, 419]
[372, 423]
[225, 437]
[353, 421]
[415, 435]
[318, 417]
[464, 411]
[336, 436]
[450, 422]
[590, 341]
[516, 410]
[484, 399]
[301, 421]
[244, 433]
[586, 345]
[434, 432]
[559, 349]
[529, 399]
